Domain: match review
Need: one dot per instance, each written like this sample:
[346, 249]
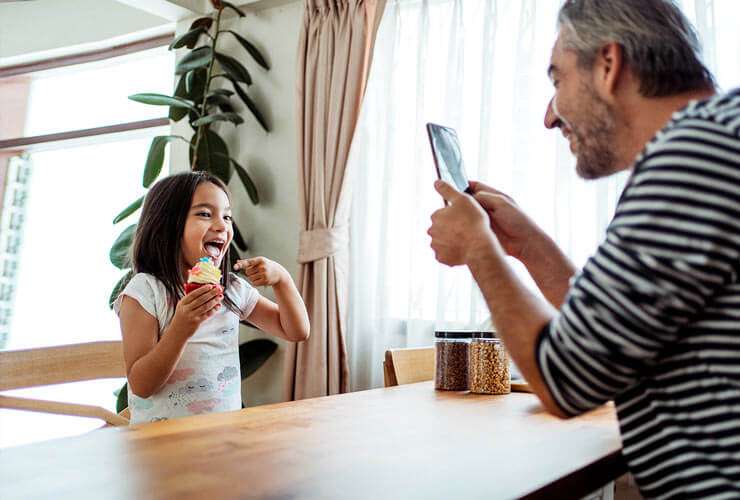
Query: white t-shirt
[207, 377]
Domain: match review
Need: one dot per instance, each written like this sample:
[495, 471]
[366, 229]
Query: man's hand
[459, 228]
[261, 271]
[514, 229]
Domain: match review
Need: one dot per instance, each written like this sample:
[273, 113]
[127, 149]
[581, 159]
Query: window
[60, 199]
[480, 67]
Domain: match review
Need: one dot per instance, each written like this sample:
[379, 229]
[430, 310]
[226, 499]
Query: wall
[27, 27]
[271, 227]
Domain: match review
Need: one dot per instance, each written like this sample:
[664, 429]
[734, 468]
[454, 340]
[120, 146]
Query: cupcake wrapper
[189, 287]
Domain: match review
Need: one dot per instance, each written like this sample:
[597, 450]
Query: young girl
[182, 351]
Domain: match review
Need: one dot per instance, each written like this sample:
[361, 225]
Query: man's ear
[607, 70]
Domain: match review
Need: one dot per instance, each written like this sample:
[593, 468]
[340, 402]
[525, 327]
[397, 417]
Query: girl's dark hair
[157, 248]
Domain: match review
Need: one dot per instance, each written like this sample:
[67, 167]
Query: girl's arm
[288, 317]
[149, 364]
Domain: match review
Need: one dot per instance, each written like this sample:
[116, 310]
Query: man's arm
[661, 266]
[460, 235]
[518, 315]
[550, 268]
[521, 238]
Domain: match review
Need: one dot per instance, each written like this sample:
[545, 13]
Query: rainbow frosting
[204, 272]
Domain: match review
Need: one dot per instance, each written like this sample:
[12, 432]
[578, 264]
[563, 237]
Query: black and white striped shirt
[653, 319]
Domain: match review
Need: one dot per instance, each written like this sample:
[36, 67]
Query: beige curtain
[335, 51]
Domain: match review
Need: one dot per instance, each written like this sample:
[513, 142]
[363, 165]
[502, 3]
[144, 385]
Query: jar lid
[492, 340]
[485, 335]
[455, 334]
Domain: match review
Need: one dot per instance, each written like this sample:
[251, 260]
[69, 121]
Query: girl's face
[208, 228]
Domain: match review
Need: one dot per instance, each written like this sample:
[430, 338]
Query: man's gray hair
[658, 43]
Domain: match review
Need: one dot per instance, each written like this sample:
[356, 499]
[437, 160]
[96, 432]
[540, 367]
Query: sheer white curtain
[480, 67]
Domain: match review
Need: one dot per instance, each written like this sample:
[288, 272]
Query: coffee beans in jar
[451, 360]
[489, 366]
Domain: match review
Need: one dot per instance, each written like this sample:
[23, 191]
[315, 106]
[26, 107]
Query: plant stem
[207, 87]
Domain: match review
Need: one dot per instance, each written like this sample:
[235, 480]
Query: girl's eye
[203, 214]
[228, 218]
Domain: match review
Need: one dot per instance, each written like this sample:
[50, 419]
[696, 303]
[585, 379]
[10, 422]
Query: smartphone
[448, 157]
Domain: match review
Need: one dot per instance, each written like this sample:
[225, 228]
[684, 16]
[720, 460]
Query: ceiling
[39, 29]
[29, 27]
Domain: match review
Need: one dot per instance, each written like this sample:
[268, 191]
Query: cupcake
[203, 273]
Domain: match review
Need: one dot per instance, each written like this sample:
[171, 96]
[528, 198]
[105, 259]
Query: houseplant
[198, 97]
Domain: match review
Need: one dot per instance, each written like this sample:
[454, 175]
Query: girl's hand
[261, 271]
[196, 307]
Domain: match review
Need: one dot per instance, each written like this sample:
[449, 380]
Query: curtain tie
[317, 244]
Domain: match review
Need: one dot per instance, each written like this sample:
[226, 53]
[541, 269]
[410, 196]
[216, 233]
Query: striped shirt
[653, 319]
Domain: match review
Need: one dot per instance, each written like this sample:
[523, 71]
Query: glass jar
[451, 360]
[489, 365]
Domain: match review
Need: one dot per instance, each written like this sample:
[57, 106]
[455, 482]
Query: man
[653, 319]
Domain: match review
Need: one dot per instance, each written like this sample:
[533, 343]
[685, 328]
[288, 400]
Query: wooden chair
[26, 368]
[409, 365]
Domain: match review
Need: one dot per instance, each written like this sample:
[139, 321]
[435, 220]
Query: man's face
[584, 118]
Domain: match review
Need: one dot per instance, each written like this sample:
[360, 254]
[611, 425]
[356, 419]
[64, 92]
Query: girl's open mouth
[214, 248]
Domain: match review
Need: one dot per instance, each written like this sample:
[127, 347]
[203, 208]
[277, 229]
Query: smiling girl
[182, 351]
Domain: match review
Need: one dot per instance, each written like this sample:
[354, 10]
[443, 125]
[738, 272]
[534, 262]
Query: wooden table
[402, 442]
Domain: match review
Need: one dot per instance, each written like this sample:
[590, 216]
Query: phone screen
[447, 156]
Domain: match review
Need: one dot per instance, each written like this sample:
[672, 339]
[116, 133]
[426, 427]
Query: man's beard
[596, 156]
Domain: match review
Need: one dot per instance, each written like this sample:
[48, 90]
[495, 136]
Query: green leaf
[249, 47]
[191, 86]
[195, 84]
[189, 76]
[221, 100]
[239, 239]
[196, 59]
[188, 39]
[219, 117]
[234, 8]
[251, 105]
[155, 158]
[119, 252]
[226, 92]
[247, 181]
[253, 354]
[234, 68]
[213, 154]
[162, 100]
[248, 185]
[128, 210]
[119, 287]
[218, 99]
[122, 398]
[192, 117]
[181, 90]
[203, 22]
[177, 114]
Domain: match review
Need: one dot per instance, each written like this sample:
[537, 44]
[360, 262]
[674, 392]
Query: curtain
[478, 66]
[335, 49]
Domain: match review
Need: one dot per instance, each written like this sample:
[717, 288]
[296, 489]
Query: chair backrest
[409, 365]
[61, 364]
[25, 368]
